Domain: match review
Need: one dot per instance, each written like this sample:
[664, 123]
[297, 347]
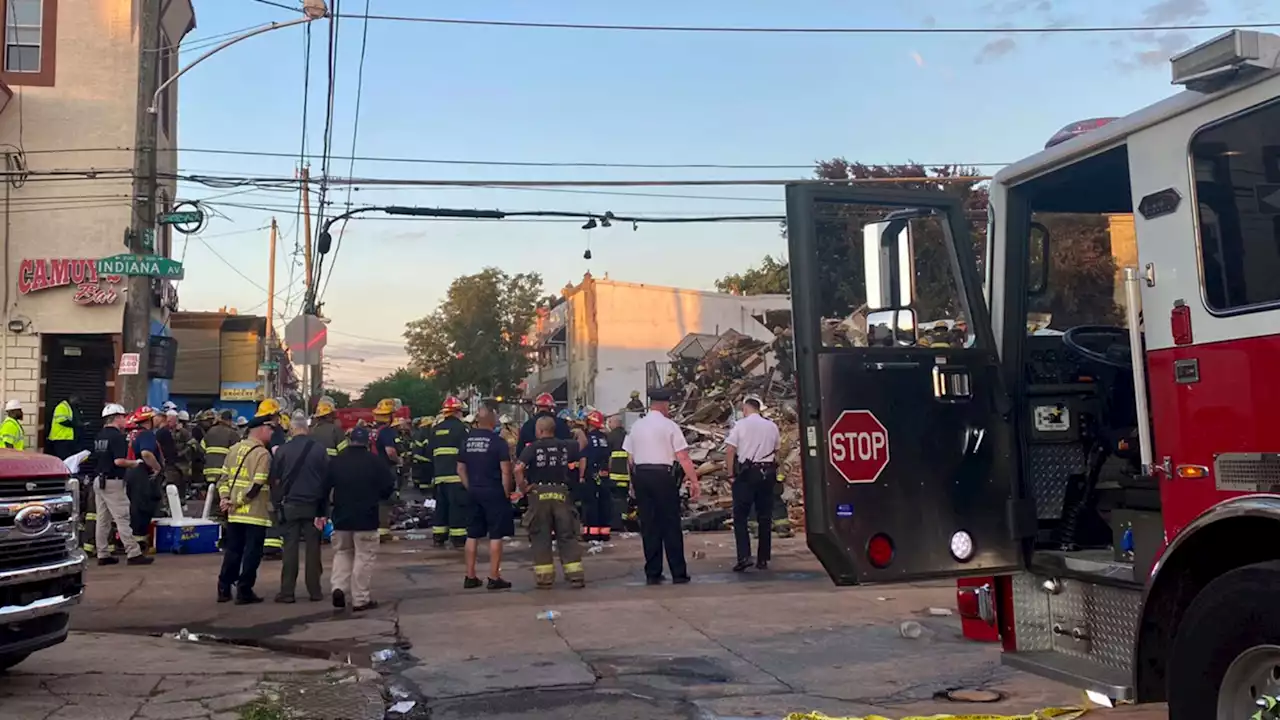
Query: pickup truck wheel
[1226, 655]
[8, 661]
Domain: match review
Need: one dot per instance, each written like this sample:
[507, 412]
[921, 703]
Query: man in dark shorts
[488, 461]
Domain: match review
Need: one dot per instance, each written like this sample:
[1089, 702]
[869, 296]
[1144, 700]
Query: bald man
[487, 458]
[547, 471]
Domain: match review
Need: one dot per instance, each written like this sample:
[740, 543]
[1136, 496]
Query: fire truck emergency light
[1212, 65]
[962, 546]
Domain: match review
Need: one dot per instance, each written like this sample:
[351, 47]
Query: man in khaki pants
[111, 460]
[359, 481]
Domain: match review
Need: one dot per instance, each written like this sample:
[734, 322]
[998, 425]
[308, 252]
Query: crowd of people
[284, 482]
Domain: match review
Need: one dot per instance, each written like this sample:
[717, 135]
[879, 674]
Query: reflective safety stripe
[215, 450]
[544, 569]
[573, 567]
[90, 516]
[445, 479]
[620, 454]
[383, 531]
[141, 538]
[249, 520]
[620, 479]
[343, 445]
[445, 451]
[551, 496]
[90, 548]
[440, 530]
[260, 476]
[457, 532]
[209, 472]
[331, 451]
[273, 543]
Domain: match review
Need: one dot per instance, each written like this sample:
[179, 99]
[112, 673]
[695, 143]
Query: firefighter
[12, 435]
[597, 496]
[107, 487]
[452, 504]
[620, 475]
[218, 439]
[635, 404]
[383, 442]
[143, 482]
[546, 473]
[544, 406]
[244, 497]
[404, 448]
[64, 430]
[324, 427]
[273, 544]
[421, 460]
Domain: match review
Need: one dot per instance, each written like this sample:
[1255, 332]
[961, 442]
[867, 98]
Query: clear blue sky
[489, 93]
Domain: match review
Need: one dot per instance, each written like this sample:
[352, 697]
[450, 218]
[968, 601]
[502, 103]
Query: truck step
[1073, 671]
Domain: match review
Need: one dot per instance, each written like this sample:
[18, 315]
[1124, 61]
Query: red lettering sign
[42, 274]
[858, 446]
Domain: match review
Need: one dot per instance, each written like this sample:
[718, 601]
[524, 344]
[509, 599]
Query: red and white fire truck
[1103, 437]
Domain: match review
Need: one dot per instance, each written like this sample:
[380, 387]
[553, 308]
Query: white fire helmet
[113, 409]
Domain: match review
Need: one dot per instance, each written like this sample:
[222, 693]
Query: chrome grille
[20, 554]
[15, 488]
[1247, 472]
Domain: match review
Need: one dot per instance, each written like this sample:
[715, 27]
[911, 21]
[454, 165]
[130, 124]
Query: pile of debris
[708, 395]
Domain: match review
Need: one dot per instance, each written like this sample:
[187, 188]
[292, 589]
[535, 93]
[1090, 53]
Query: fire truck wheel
[1227, 652]
[8, 661]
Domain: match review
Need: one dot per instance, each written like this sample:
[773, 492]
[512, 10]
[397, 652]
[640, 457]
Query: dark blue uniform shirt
[528, 431]
[386, 439]
[483, 455]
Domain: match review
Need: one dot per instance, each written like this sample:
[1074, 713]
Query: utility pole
[306, 223]
[137, 312]
[271, 307]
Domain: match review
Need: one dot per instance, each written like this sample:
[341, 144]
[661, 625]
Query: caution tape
[1065, 713]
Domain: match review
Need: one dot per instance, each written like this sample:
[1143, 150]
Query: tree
[772, 276]
[423, 396]
[340, 398]
[476, 336]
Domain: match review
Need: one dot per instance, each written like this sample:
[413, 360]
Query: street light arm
[155, 99]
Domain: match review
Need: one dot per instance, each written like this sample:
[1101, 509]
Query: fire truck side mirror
[1038, 260]
[888, 264]
[892, 328]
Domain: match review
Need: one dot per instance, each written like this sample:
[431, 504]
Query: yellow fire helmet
[268, 407]
[284, 422]
[400, 422]
[385, 406]
[323, 408]
[426, 421]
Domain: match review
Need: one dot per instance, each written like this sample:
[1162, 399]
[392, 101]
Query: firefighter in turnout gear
[324, 428]
[597, 493]
[217, 441]
[547, 472]
[383, 443]
[544, 406]
[452, 504]
[620, 476]
[273, 545]
[421, 471]
[246, 500]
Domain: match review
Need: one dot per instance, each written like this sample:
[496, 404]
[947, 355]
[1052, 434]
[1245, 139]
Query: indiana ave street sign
[150, 265]
[181, 217]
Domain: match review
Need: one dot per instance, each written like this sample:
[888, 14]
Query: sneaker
[339, 599]
[471, 583]
[140, 560]
[499, 584]
[108, 561]
[367, 606]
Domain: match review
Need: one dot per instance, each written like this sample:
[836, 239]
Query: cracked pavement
[724, 646]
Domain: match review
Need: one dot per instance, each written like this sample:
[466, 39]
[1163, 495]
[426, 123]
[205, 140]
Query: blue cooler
[186, 536]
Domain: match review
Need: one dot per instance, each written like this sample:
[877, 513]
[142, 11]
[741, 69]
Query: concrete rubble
[709, 391]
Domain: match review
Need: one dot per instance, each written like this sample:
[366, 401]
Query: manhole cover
[974, 696]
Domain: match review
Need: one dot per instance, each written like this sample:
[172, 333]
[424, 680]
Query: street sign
[181, 217]
[306, 336]
[858, 446]
[149, 240]
[1268, 198]
[150, 265]
[269, 366]
[129, 363]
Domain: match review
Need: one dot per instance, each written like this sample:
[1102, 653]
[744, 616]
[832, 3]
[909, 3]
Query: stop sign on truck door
[858, 446]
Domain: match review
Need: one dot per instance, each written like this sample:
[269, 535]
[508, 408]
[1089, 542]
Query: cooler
[186, 537]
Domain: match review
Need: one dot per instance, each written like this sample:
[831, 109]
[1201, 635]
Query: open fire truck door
[910, 459]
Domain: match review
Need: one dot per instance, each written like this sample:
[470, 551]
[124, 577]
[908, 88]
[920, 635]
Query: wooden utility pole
[306, 222]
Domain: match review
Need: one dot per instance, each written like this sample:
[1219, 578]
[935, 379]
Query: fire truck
[41, 563]
[1101, 439]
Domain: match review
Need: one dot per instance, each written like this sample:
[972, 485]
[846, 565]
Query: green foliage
[772, 276]
[263, 709]
[340, 398]
[423, 396]
[476, 335]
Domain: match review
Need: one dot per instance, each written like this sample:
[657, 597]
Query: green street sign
[150, 265]
[182, 217]
[148, 240]
[269, 366]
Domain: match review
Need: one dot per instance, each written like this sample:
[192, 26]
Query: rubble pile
[708, 393]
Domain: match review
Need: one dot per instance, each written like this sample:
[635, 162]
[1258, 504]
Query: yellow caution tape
[1067, 713]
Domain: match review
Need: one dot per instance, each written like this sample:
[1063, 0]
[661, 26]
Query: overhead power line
[978, 30]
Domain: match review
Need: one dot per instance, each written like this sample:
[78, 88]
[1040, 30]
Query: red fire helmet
[595, 419]
[451, 404]
[544, 401]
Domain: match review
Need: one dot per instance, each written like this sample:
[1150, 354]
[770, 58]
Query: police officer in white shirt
[752, 451]
[656, 444]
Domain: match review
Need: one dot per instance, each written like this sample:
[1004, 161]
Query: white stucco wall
[641, 323]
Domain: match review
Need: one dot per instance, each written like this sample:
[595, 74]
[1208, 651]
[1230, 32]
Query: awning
[558, 389]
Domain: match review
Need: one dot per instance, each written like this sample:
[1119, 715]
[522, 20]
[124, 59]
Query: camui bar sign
[858, 446]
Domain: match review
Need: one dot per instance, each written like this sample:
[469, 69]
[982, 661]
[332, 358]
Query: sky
[485, 94]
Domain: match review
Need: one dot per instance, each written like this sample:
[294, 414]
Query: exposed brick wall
[22, 379]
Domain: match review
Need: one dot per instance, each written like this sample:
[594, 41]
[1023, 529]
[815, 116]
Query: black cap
[659, 394]
[260, 420]
[227, 415]
[359, 436]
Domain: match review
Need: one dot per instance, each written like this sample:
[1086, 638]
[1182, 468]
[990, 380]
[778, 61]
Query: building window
[1237, 184]
[29, 41]
[22, 27]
